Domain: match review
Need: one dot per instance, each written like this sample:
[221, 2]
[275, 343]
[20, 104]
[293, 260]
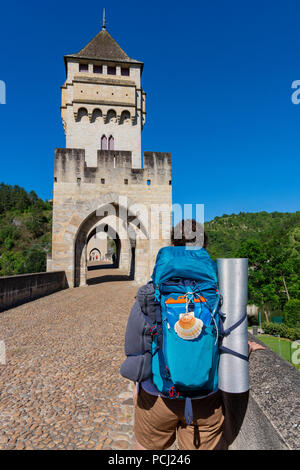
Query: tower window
[125, 71]
[102, 181]
[97, 69]
[111, 70]
[83, 67]
[126, 181]
[111, 143]
[103, 143]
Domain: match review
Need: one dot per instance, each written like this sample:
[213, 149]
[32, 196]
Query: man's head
[189, 232]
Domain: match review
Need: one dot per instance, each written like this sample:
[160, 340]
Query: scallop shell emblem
[188, 327]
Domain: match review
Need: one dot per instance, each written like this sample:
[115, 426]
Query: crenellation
[113, 166]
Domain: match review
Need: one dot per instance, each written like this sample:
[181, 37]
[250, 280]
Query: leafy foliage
[271, 242]
[25, 231]
[281, 330]
[292, 313]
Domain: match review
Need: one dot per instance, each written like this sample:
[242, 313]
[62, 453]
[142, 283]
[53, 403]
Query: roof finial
[103, 21]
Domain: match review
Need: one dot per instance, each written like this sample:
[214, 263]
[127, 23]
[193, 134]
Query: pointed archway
[132, 237]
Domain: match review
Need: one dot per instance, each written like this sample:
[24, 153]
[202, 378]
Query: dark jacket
[138, 340]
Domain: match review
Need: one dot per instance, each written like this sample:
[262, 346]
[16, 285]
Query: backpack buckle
[173, 392]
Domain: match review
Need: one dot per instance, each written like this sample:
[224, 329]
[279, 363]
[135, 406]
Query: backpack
[188, 326]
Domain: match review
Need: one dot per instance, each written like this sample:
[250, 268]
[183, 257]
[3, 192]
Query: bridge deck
[61, 387]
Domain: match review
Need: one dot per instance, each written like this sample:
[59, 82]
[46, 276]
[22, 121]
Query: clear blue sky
[218, 80]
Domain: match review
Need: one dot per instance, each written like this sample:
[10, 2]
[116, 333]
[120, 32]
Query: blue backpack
[185, 346]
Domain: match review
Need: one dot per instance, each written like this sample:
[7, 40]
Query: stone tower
[98, 178]
[103, 104]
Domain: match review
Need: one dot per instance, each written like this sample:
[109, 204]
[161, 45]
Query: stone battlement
[112, 165]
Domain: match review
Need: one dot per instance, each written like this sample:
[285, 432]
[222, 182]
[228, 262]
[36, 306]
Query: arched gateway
[94, 186]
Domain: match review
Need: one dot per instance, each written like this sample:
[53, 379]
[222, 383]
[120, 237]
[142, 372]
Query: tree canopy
[25, 231]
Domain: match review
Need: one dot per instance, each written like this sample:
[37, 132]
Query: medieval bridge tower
[99, 180]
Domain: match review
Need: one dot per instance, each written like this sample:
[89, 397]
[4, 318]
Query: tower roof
[104, 47]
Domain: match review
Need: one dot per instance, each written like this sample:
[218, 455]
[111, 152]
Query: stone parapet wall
[112, 167]
[16, 290]
[272, 419]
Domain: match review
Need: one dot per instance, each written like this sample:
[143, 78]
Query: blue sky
[218, 80]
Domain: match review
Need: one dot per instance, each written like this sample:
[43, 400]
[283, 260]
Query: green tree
[35, 261]
[291, 313]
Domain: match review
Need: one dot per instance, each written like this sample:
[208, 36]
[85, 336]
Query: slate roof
[104, 47]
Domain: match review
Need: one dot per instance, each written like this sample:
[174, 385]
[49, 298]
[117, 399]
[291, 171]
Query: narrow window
[125, 71]
[97, 69]
[111, 143]
[125, 181]
[83, 67]
[103, 143]
[170, 182]
[78, 180]
[111, 70]
[55, 179]
[102, 181]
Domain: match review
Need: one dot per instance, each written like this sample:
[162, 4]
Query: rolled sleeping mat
[233, 285]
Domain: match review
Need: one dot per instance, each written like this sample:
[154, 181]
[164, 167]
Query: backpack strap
[226, 332]
[233, 327]
[223, 349]
[188, 411]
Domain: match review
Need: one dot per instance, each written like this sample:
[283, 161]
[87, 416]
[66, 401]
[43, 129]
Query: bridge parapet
[16, 290]
[272, 419]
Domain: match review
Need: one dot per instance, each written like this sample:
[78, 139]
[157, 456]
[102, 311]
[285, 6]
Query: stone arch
[134, 236]
[111, 116]
[93, 252]
[125, 117]
[102, 228]
[97, 114]
[81, 113]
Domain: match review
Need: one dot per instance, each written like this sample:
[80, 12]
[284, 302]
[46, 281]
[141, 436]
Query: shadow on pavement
[108, 278]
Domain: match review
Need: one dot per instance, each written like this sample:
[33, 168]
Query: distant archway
[95, 255]
[136, 236]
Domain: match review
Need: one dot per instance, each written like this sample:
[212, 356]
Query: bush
[291, 313]
[35, 261]
[284, 331]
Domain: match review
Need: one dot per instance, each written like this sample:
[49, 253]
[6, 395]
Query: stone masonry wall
[79, 190]
[16, 290]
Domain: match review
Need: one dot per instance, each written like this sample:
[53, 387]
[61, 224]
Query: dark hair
[184, 233]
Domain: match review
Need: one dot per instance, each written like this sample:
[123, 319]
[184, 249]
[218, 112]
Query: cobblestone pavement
[61, 387]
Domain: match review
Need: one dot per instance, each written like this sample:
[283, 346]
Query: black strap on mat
[223, 349]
